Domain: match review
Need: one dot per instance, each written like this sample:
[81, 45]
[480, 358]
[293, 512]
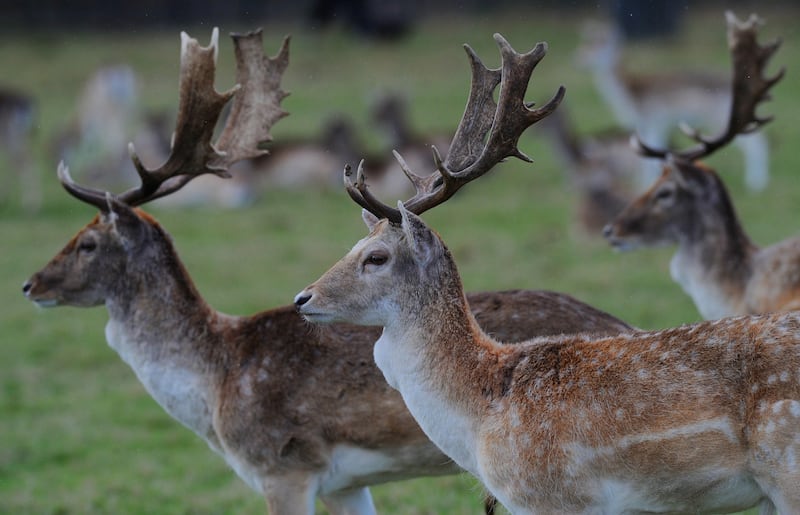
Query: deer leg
[756, 159]
[291, 494]
[350, 502]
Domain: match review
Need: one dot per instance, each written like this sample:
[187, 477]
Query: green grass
[80, 435]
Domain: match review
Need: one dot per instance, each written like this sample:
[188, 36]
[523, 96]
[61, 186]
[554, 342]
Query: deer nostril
[607, 230]
[301, 298]
[27, 287]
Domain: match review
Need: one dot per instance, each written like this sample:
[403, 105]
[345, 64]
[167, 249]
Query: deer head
[678, 207]
[400, 250]
[121, 236]
[688, 195]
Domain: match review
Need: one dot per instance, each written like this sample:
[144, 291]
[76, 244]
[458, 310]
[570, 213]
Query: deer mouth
[45, 303]
[621, 243]
[316, 317]
[40, 300]
[616, 241]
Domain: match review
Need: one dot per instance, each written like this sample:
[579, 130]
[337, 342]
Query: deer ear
[125, 221]
[424, 242]
[369, 219]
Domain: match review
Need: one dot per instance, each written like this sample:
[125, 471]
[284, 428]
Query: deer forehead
[384, 236]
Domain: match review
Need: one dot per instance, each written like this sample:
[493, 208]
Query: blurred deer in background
[390, 115]
[602, 169]
[297, 412]
[313, 162]
[17, 117]
[703, 418]
[108, 112]
[716, 263]
[653, 105]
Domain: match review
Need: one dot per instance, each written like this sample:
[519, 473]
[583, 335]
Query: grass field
[80, 435]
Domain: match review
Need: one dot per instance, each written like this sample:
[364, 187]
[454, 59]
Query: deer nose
[26, 288]
[301, 298]
[608, 230]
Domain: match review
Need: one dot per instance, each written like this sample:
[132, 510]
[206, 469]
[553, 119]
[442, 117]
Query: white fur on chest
[183, 393]
[441, 422]
[711, 302]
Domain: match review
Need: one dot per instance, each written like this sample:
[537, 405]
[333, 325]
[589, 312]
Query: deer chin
[45, 303]
[317, 317]
[623, 244]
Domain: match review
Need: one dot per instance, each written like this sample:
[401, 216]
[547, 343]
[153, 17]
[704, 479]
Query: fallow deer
[298, 413]
[702, 418]
[653, 104]
[17, 118]
[716, 263]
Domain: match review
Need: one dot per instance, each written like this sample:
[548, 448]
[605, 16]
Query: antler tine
[472, 154]
[256, 108]
[749, 88]
[360, 193]
[91, 196]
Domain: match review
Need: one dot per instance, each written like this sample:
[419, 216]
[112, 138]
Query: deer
[652, 104]
[716, 263]
[299, 413]
[702, 418]
[17, 119]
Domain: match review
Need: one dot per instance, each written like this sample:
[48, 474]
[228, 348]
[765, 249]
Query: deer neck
[431, 352]
[161, 327]
[714, 262]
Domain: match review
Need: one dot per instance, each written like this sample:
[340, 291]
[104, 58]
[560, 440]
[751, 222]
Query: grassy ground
[80, 435]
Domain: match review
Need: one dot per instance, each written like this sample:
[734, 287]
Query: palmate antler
[472, 153]
[749, 86]
[256, 108]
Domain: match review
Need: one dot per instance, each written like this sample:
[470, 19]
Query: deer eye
[376, 259]
[87, 246]
[664, 194]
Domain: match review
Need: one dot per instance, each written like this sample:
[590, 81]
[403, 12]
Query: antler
[749, 86]
[469, 156]
[256, 107]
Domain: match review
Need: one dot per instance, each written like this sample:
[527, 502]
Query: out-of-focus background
[79, 80]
